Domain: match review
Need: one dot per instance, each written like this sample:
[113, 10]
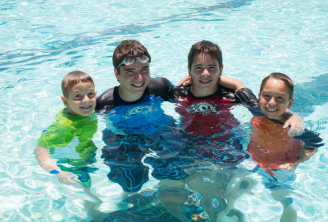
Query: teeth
[271, 110]
[205, 81]
[138, 84]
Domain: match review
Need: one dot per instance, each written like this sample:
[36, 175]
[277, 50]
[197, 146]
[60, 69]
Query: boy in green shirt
[68, 139]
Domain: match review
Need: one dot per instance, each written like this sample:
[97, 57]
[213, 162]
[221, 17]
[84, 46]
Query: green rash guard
[65, 128]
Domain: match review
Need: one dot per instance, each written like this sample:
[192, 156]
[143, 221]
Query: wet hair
[280, 76]
[73, 78]
[205, 47]
[131, 48]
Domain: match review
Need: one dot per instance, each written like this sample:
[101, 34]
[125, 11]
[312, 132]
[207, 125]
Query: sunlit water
[42, 40]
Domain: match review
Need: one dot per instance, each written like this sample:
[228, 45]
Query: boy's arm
[295, 123]
[47, 163]
[224, 81]
[185, 81]
[304, 155]
[231, 83]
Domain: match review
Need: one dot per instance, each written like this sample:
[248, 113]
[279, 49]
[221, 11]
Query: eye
[92, 94]
[212, 68]
[145, 70]
[77, 96]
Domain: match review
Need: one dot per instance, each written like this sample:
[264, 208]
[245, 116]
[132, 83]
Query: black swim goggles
[130, 60]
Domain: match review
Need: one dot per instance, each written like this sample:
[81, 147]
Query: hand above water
[295, 124]
[185, 81]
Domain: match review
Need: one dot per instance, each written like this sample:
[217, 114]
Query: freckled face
[274, 99]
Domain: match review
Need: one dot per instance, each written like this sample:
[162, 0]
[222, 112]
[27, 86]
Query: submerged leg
[289, 214]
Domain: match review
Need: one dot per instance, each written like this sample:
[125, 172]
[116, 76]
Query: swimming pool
[43, 40]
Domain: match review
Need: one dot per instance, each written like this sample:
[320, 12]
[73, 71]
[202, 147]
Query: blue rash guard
[133, 130]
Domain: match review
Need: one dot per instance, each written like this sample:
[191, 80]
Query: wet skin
[274, 99]
[81, 99]
[205, 73]
[134, 79]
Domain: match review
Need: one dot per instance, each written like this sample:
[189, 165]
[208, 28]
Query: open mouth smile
[205, 81]
[140, 85]
[271, 110]
[86, 108]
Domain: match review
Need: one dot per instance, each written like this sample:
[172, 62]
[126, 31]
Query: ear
[189, 72]
[221, 70]
[290, 103]
[64, 101]
[259, 95]
[116, 74]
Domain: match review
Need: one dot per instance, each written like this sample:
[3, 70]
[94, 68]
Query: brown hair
[205, 47]
[131, 48]
[277, 75]
[73, 78]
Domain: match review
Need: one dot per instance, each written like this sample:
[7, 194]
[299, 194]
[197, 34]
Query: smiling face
[133, 79]
[205, 73]
[274, 99]
[81, 99]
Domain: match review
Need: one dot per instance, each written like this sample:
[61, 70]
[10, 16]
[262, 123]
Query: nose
[272, 101]
[139, 76]
[86, 99]
[205, 72]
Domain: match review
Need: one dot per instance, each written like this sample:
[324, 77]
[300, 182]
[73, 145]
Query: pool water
[42, 40]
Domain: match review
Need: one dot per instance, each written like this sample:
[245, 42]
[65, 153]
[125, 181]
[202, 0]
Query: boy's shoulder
[180, 92]
[66, 127]
[247, 98]
[58, 132]
[105, 102]
[110, 98]
[160, 87]
[244, 96]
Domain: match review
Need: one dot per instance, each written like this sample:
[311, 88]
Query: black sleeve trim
[105, 102]
[160, 87]
[247, 98]
[310, 138]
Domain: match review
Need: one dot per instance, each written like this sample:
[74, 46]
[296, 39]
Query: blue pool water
[42, 40]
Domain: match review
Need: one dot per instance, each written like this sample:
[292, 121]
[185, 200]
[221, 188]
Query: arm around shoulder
[296, 124]
[160, 86]
[231, 83]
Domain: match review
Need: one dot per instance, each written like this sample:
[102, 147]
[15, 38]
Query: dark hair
[131, 48]
[277, 75]
[205, 47]
[73, 78]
